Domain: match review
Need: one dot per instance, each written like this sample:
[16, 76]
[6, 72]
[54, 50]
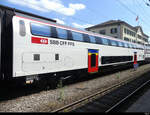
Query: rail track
[109, 99]
[22, 94]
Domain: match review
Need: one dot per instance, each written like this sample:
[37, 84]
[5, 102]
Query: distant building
[121, 30]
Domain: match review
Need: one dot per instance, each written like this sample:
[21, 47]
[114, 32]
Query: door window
[93, 60]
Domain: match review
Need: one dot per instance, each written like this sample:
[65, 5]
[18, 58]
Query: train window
[132, 46]
[129, 45]
[135, 47]
[86, 38]
[22, 28]
[93, 61]
[77, 36]
[115, 59]
[113, 43]
[56, 56]
[126, 45]
[98, 40]
[139, 47]
[40, 30]
[92, 39]
[61, 33]
[36, 57]
[117, 43]
[53, 32]
[69, 35]
[120, 44]
[105, 41]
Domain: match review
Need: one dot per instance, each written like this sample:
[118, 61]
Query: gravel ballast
[46, 101]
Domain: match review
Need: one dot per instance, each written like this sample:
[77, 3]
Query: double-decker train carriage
[33, 46]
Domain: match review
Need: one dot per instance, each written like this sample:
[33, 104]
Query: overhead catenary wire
[95, 12]
[92, 10]
[146, 24]
[91, 13]
[73, 18]
[142, 10]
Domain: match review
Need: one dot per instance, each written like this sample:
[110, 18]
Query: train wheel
[52, 82]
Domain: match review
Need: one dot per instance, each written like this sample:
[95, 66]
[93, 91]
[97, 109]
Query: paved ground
[142, 104]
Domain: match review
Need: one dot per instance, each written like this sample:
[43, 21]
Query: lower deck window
[115, 59]
[36, 57]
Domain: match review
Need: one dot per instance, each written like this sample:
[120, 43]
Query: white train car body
[73, 55]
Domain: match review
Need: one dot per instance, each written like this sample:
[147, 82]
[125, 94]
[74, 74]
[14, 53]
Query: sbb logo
[39, 40]
[43, 41]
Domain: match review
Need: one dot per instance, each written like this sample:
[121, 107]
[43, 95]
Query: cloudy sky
[85, 13]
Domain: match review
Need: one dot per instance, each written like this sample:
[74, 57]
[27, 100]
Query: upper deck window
[98, 40]
[126, 45]
[77, 36]
[132, 46]
[53, 32]
[138, 47]
[105, 41]
[86, 38]
[40, 30]
[120, 44]
[61, 33]
[129, 45]
[113, 43]
[92, 39]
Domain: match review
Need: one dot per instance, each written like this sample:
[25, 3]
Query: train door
[135, 64]
[135, 57]
[92, 60]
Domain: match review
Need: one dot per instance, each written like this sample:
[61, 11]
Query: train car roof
[26, 13]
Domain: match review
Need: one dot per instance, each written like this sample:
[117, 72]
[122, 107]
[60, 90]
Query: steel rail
[124, 99]
[92, 95]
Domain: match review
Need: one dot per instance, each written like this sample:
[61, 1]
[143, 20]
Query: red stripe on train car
[39, 40]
